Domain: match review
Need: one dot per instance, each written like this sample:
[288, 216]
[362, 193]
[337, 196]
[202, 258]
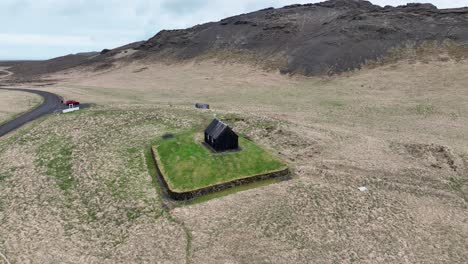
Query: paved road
[52, 102]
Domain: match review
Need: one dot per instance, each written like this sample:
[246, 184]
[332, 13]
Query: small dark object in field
[167, 136]
[202, 106]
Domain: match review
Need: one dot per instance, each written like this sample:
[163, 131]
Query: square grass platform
[190, 169]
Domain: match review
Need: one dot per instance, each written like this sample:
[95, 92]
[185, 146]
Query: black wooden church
[220, 137]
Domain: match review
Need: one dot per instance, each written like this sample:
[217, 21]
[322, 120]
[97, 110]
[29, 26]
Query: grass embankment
[187, 165]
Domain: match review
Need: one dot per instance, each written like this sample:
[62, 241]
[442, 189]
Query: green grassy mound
[187, 165]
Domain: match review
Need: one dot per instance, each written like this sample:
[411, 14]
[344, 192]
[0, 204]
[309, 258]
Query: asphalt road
[52, 102]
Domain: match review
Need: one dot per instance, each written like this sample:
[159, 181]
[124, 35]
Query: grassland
[13, 103]
[187, 165]
[398, 129]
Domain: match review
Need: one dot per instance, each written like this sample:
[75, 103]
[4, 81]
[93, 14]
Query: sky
[42, 29]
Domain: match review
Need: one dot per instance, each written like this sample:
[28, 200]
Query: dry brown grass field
[13, 103]
[81, 192]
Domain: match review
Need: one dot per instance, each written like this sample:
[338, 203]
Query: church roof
[216, 128]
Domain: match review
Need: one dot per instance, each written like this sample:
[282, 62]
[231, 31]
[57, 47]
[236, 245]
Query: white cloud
[45, 40]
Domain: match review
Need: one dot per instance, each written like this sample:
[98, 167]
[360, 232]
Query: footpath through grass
[187, 165]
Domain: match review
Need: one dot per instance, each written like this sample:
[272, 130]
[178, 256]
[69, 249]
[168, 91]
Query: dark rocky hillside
[312, 39]
[31, 68]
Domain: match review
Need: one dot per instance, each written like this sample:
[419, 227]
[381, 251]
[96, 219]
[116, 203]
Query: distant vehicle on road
[72, 102]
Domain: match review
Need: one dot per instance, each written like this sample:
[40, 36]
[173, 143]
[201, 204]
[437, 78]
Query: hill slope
[315, 38]
[310, 39]
[28, 68]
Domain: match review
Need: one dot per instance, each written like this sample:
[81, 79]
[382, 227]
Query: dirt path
[4, 73]
[52, 102]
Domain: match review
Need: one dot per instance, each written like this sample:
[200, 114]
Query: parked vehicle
[72, 102]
